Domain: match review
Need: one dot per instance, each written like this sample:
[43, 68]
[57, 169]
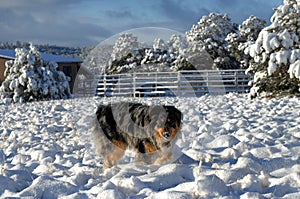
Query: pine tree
[124, 45]
[210, 34]
[129, 56]
[122, 58]
[177, 43]
[247, 34]
[159, 44]
[276, 53]
[30, 78]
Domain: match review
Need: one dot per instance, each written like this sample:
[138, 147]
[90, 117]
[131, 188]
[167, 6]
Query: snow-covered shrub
[30, 78]
[276, 53]
[247, 34]
[210, 34]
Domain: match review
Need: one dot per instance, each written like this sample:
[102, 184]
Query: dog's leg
[112, 158]
[163, 158]
[144, 159]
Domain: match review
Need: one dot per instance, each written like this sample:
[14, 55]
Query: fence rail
[159, 84]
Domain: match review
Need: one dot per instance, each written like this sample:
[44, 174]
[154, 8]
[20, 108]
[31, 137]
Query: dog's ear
[99, 111]
[179, 115]
[175, 111]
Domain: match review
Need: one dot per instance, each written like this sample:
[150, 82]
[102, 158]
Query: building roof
[10, 54]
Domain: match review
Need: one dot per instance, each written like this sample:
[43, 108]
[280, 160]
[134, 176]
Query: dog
[150, 131]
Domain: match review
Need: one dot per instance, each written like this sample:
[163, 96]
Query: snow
[229, 147]
[294, 70]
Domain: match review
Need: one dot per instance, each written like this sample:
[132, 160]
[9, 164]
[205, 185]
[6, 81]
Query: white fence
[160, 84]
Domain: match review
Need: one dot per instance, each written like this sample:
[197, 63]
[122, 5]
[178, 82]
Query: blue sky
[88, 22]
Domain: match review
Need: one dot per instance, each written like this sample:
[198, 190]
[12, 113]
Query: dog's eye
[166, 134]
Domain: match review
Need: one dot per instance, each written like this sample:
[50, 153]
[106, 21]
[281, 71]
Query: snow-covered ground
[229, 147]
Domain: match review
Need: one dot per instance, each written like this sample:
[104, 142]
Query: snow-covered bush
[210, 34]
[30, 78]
[247, 34]
[276, 53]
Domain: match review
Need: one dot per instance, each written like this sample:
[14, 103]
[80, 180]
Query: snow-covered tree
[210, 34]
[121, 52]
[124, 45]
[30, 78]
[276, 53]
[140, 58]
[98, 58]
[177, 43]
[251, 27]
[159, 44]
[247, 34]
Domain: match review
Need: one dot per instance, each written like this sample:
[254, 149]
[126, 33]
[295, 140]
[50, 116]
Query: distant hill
[76, 52]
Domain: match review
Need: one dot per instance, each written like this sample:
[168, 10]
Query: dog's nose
[166, 134]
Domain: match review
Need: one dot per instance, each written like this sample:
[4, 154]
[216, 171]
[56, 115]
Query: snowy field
[229, 147]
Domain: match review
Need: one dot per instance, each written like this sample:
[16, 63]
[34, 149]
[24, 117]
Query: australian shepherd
[150, 131]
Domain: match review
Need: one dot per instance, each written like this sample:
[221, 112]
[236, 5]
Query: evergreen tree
[276, 53]
[246, 36]
[30, 78]
[159, 44]
[122, 51]
[209, 34]
[124, 45]
[177, 43]
[129, 56]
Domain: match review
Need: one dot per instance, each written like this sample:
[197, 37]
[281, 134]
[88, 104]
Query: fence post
[119, 84]
[236, 81]
[156, 82]
[134, 84]
[178, 82]
[207, 82]
[105, 89]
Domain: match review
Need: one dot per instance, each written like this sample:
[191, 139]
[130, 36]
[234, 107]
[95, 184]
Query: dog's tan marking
[150, 148]
[174, 131]
[120, 144]
[159, 132]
